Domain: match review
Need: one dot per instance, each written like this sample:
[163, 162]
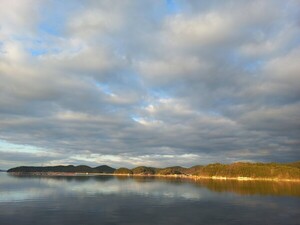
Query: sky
[149, 82]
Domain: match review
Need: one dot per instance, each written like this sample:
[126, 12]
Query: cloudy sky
[149, 82]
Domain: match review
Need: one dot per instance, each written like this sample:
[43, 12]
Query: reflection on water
[34, 187]
[253, 187]
[145, 200]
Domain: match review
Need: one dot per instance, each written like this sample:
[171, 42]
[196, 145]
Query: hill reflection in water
[271, 188]
[252, 187]
[144, 201]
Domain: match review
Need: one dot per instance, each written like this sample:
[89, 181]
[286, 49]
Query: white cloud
[202, 30]
[18, 18]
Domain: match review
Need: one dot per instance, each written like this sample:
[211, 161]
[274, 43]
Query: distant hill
[2, 170]
[293, 164]
[143, 170]
[123, 170]
[62, 169]
[252, 170]
[172, 170]
[105, 169]
[234, 170]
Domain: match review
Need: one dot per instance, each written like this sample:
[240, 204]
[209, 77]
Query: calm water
[113, 200]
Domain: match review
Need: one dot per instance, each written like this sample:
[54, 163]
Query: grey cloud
[125, 85]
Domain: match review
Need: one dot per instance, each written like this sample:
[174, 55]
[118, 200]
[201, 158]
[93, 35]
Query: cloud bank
[158, 83]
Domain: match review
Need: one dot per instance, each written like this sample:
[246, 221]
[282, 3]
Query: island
[235, 171]
[61, 170]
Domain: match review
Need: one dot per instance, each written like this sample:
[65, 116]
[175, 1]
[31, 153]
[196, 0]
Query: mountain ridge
[216, 170]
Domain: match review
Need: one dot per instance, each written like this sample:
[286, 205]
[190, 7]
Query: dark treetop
[63, 169]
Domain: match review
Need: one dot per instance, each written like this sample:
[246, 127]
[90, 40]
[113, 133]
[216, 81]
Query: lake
[141, 200]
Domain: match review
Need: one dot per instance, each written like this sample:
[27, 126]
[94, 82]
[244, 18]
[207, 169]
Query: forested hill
[62, 169]
[239, 169]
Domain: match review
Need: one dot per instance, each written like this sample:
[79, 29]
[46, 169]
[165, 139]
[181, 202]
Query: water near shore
[145, 200]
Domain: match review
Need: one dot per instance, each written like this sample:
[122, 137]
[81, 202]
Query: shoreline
[181, 176]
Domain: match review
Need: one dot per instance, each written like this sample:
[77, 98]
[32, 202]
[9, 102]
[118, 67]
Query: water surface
[125, 200]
